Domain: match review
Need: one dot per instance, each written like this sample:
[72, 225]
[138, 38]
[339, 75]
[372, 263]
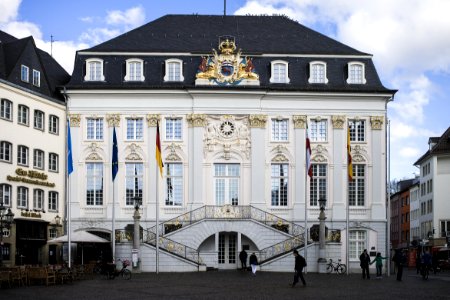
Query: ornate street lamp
[6, 219]
[136, 235]
[322, 260]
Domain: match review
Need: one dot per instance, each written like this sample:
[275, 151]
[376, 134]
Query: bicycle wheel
[126, 274]
[341, 269]
[329, 269]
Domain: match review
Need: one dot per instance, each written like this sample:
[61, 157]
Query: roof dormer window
[356, 73]
[279, 71]
[36, 78]
[317, 72]
[135, 70]
[94, 70]
[24, 73]
[174, 70]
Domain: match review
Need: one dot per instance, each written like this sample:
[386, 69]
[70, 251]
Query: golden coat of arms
[227, 67]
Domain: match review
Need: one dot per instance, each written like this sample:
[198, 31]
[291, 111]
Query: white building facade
[233, 142]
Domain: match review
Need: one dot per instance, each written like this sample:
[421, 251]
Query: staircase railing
[281, 248]
[237, 212]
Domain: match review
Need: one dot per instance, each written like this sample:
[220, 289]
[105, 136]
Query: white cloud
[98, 35]
[9, 10]
[22, 29]
[87, 19]
[410, 152]
[130, 18]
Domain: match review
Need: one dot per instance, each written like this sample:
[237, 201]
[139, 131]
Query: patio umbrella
[79, 237]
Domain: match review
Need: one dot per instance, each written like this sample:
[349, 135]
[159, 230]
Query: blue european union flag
[69, 150]
[115, 160]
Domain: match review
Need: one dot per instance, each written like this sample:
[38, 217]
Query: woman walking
[378, 260]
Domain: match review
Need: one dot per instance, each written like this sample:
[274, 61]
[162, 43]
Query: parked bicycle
[336, 266]
[112, 272]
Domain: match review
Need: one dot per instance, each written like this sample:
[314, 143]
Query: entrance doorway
[227, 250]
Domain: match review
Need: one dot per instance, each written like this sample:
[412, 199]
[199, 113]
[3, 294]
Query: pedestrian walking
[364, 261]
[300, 263]
[378, 260]
[253, 262]
[399, 260]
[243, 259]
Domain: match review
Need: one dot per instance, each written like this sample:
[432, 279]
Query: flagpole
[157, 220]
[69, 170]
[114, 170]
[307, 166]
[347, 205]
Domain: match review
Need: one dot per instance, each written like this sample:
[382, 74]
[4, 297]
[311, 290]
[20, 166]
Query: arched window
[5, 194]
[279, 71]
[6, 109]
[135, 70]
[356, 73]
[317, 72]
[94, 70]
[174, 70]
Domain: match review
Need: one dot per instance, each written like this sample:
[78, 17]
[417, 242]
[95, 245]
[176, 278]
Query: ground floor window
[357, 243]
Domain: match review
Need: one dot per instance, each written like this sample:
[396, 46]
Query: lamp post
[322, 260]
[6, 219]
[136, 235]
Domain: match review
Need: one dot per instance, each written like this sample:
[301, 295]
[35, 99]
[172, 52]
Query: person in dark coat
[399, 260]
[364, 261]
[300, 263]
[243, 259]
[253, 262]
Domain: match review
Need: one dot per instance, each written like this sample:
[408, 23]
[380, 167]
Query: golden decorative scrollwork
[338, 122]
[377, 122]
[113, 120]
[196, 120]
[299, 121]
[152, 119]
[75, 120]
[257, 121]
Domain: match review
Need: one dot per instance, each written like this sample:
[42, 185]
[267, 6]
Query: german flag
[158, 151]
[349, 157]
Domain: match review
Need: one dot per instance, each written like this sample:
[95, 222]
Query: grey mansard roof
[17, 52]
[277, 37]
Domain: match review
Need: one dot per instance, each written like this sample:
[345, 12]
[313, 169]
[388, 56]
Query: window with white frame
[52, 201]
[22, 155]
[173, 129]
[279, 130]
[53, 233]
[94, 128]
[318, 184]
[357, 186]
[134, 181]
[53, 162]
[38, 159]
[357, 243]
[6, 109]
[23, 115]
[174, 184]
[5, 151]
[318, 130]
[36, 78]
[280, 180]
[94, 184]
[5, 194]
[38, 199]
[22, 197]
[53, 124]
[174, 70]
[357, 130]
[317, 72]
[94, 70]
[280, 72]
[135, 70]
[25, 73]
[39, 119]
[356, 72]
[135, 129]
[226, 183]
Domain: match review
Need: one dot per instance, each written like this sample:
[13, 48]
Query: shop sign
[31, 177]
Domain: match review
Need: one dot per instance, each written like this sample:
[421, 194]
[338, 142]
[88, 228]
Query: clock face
[227, 128]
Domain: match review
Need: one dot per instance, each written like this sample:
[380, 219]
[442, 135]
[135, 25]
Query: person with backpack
[300, 263]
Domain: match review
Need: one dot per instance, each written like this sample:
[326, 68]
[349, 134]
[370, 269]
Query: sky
[409, 40]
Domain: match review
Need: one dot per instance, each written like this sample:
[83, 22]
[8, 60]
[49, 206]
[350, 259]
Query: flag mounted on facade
[349, 157]
[69, 150]
[158, 150]
[115, 154]
[308, 154]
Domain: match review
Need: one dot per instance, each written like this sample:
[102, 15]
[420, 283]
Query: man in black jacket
[364, 260]
[300, 263]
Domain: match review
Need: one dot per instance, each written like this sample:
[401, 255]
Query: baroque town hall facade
[233, 97]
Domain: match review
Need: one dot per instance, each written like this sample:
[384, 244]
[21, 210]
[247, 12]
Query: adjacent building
[32, 151]
[234, 100]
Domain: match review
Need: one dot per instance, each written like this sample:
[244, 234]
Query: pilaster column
[113, 121]
[257, 124]
[78, 171]
[197, 123]
[154, 177]
[340, 167]
[300, 197]
[378, 141]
